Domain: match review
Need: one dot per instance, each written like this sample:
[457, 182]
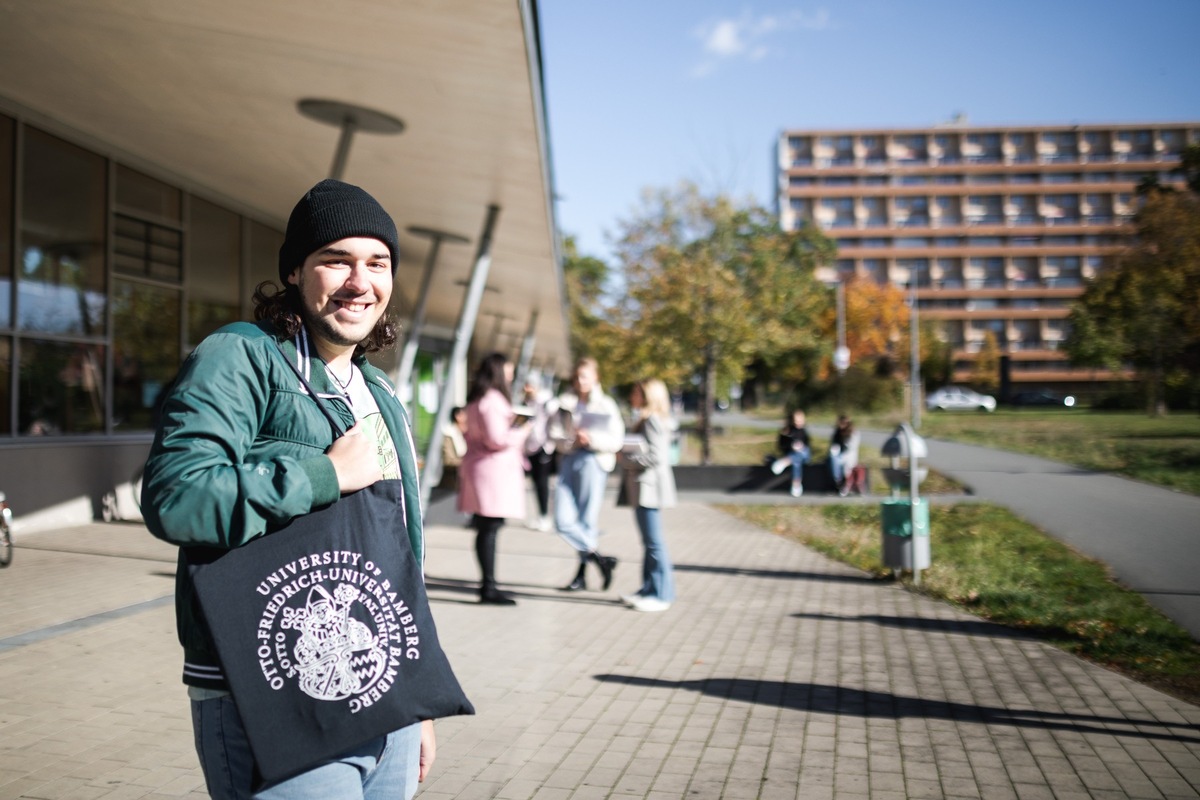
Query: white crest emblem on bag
[335, 626]
[336, 655]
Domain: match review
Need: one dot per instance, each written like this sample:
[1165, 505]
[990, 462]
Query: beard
[325, 328]
[324, 325]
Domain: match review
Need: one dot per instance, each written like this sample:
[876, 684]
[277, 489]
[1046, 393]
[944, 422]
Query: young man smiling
[242, 450]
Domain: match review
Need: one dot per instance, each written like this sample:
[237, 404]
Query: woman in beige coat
[650, 487]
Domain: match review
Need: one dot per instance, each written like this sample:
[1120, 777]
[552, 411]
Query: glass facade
[100, 300]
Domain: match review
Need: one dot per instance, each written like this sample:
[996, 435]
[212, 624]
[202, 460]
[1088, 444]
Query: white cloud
[746, 37]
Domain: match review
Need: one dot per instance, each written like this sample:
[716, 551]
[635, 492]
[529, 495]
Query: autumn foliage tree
[706, 286]
[876, 318]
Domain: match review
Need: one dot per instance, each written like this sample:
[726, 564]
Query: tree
[1143, 310]
[876, 316]
[585, 278]
[710, 287]
[985, 372]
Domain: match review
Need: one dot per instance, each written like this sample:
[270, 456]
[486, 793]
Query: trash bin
[905, 521]
[904, 548]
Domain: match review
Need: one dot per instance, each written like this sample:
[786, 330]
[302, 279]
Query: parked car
[953, 398]
[1042, 398]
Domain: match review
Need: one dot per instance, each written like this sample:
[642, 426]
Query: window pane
[146, 250]
[264, 261]
[62, 388]
[61, 286]
[146, 196]
[7, 138]
[214, 255]
[145, 350]
[5, 382]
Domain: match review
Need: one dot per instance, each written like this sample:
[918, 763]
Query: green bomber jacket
[240, 451]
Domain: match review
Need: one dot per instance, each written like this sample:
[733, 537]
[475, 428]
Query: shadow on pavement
[968, 627]
[780, 574]
[826, 699]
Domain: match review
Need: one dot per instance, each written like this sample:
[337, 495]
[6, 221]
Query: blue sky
[645, 93]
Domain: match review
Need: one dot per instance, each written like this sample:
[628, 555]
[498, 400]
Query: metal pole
[349, 126]
[915, 365]
[841, 341]
[912, 501]
[841, 314]
[526, 350]
[408, 356]
[462, 340]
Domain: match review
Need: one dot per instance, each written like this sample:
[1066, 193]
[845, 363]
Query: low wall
[751, 478]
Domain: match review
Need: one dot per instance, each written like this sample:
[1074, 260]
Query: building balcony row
[1116, 222]
[967, 313]
[1014, 160]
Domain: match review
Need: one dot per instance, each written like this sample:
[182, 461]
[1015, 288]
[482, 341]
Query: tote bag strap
[333, 423]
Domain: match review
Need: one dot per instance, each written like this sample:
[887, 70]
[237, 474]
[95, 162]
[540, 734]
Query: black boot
[580, 582]
[606, 564]
[490, 595]
[485, 550]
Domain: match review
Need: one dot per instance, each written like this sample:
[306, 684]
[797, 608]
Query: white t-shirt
[366, 411]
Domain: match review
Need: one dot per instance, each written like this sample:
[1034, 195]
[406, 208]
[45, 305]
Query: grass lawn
[991, 563]
[988, 561]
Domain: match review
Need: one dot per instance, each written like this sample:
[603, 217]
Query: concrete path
[777, 674]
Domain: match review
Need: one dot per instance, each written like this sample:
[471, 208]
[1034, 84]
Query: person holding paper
[491, 478]
[539, 450]
[650, 486]
[588, 431]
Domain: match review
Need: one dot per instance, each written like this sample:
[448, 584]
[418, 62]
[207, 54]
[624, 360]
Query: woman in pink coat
[491, 477]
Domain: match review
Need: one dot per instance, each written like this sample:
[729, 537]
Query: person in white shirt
[539, 449]
[843, 451]
[587, 432]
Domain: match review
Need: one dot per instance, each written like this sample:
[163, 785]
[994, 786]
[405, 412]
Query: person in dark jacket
[242, 449]
[794, 450]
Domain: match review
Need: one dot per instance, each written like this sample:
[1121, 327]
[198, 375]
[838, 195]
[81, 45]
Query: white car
[950, 398]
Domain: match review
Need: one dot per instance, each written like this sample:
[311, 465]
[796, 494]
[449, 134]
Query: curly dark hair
[282, 308]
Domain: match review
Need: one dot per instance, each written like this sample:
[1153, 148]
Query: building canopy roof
[206, 93]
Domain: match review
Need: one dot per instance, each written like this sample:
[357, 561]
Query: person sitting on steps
[795, 450]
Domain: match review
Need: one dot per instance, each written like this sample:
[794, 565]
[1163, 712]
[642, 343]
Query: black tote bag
[324, 630]
[325, 634]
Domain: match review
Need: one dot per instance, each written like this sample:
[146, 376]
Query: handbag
[325, 634]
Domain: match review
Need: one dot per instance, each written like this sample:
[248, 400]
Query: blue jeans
[658, 578]
[799, 459]
[386, 767]
[837, 465]
[577, 500]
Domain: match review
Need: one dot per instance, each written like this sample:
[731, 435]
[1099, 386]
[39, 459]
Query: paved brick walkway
[777, 674]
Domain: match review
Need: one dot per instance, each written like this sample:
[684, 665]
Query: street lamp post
[914, 371]
[841, 355]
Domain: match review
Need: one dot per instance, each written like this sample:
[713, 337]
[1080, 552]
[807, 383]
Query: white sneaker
[545, 524]
[631, 599]
[780, 464]
[797, 488]
[649, 604]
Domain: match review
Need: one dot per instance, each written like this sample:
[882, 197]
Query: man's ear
[294, 276]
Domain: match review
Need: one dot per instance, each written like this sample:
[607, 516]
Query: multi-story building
[998, 227]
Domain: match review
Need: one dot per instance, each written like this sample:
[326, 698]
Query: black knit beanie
[330, 211]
